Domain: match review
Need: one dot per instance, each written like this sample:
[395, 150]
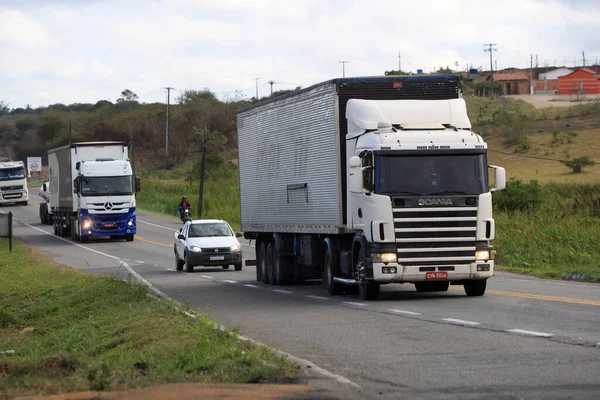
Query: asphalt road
[526, 338]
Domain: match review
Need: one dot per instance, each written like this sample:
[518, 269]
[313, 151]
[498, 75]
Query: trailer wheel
[475, 288]
[269, 264]
[283, 268]
[261, 268]
[367, 290]
[329, 269]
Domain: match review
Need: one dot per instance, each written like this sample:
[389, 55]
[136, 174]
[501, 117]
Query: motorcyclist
[183, 205]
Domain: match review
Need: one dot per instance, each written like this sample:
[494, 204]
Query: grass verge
[63, 330]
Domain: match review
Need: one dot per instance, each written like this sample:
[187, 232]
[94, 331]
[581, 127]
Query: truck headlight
[196, 249]
[384, 257]
[130, 222]
[87, 224]
[483, 255]
[236, 247]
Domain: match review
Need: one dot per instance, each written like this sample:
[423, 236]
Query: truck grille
[435, 235]
[7, 188]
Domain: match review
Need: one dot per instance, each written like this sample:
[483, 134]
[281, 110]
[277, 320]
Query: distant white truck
[93, 191]
[368, 181]
[13, 183]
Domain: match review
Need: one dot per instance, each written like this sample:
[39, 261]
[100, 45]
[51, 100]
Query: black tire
[43, 213]
[129, 238]
[367, 290]
[188, 267]
[330, 268]
[179, 263]
[225, 266]
[283, 268]
[263, 262]
[258, 266]
[55, 226]
[269, 264]
[475, 288]
[238, 266]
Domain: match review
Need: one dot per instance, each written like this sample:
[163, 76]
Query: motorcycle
[185, 215]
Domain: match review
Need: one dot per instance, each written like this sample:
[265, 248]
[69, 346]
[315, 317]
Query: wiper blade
[447, 192]
[411, 193]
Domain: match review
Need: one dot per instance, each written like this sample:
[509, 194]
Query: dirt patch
[193, 391]
[555, 100]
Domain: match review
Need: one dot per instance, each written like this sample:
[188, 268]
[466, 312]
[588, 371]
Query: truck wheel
[178, 262]
[262, 263]
[129, 238]
[283, 268]
[43, 213]
[269, 264]
[367, 290]
[83, 239]
[475, 288]
[329, 271]
[238, 266]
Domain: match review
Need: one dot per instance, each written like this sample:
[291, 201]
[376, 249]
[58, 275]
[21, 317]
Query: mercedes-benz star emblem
[108, 206]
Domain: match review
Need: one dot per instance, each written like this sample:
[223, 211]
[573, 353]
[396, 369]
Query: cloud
[19, 30]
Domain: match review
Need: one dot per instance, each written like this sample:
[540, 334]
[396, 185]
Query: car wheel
[225, 266]
[188, 267]
[238, 266]
[178, 261]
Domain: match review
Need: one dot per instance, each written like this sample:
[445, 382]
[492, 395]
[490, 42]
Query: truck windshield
[9, 174]
[427, 175]
[105, 186]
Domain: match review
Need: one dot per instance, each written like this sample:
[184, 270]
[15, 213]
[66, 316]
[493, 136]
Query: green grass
[72, 331]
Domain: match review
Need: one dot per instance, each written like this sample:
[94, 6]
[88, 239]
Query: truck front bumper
[15, 196]
[412, 273]
[107, 224]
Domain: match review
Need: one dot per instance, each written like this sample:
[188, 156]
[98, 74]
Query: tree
[203, 96]
[3, 108]
[127, 95]
[396, 72]
[577, 164]
[50, 127]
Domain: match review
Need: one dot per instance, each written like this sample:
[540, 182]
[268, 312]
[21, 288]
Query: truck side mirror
[76, 186]
[137, 184]
[355, 178]
[499, 178]
[44, 188]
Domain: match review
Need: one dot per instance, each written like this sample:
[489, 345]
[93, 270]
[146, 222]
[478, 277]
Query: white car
[207, 242]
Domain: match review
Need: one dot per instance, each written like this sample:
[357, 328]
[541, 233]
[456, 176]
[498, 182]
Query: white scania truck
[93, 191]
[13, 183]
[368, 181]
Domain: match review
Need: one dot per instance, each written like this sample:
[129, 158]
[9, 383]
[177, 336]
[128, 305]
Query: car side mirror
[181, 236]
[76, 188]
[239, 234]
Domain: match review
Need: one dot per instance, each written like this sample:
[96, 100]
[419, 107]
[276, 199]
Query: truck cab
[13, 183]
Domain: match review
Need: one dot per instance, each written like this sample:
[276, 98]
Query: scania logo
[108, 206]
[435, 202]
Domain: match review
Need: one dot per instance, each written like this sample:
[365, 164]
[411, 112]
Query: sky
[84, 51]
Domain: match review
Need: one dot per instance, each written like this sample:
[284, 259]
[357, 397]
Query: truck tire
[262, 263]
[129, 238]
[475, 288]
[283, 268]
[258, 264]
[269, 264]
[43, 213]
[330, 269]
[367, 290]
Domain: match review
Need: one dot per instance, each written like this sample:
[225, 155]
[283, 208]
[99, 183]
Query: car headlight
[384, 257]
[236, 247]
[87, 224]
[483, 255]
[196, 249]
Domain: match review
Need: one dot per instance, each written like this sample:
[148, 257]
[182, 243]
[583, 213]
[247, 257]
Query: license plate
[436, 275]
[109, 225]
[217, 258]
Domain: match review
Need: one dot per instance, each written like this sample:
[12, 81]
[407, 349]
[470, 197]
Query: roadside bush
[518, 196]
[577, 164]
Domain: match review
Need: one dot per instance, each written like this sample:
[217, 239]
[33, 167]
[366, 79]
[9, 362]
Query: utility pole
[272, 82]
[343, 68]
[167, 122]
[256, 79]
[399, 63]
[201, 193]
[491, 48]
[583, 54]
[531, 75]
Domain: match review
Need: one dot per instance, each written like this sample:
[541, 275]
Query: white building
[555, 73]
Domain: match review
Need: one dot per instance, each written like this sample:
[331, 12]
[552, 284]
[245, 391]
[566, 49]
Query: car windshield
[209, 230]
[12, 173]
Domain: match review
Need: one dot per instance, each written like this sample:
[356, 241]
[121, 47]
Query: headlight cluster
[384, 257]
[196, 249]
[86, 224]
[236, 247]
[130, 222]
[484, 255]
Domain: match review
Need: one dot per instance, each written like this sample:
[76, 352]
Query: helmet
[184, 198]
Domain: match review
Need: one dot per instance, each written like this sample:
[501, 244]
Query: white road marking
[252, 286]
[158, 226]
[282, 291]
[404, 312]
[317, 297]
[229, 281]
[304, 363]
[529, 333]
[206, 277]
[461, 322]
[352, 303]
